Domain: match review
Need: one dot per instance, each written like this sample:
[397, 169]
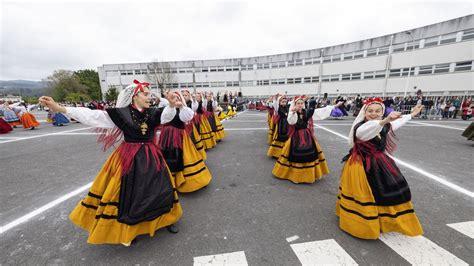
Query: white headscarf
[361, 118]
[125, 97]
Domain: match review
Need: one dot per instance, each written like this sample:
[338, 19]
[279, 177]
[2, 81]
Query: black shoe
[172, 229]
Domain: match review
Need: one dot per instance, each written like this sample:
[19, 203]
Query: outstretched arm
[93, 118]
[325, 112]
[396, 124]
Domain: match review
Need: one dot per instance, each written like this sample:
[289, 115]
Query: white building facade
[438, 59]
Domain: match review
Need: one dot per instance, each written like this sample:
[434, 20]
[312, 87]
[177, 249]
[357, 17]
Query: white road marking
[323, 252]
[419, 250]
[247, 121]
[292, 238]
[234, 258]
[435, 125]
[466, 228]
[85, 133]
[244, 129]
[44, 135]
[416, 169]
[42, 209]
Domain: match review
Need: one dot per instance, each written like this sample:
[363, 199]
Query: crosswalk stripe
[234, 258]
[419, 250]
[466, 228]
[322, 252]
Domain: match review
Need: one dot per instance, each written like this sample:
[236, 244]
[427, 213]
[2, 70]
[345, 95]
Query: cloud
[38, 38]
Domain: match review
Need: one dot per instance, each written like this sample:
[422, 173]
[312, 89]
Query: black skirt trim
[300, 167]
[380, 214]
[88, 206]
[90, 194]
[278, 146]
[195, 173]
[356, 201]
[209, 132]
[105, 216]
[116, 204]
[193, 164]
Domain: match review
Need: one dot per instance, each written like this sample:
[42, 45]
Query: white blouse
[101, 119]
[185, 114]
[93, 118]
[319, 114]
[372, 128]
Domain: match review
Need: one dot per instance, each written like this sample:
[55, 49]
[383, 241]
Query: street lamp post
[387, 66]
[320, 71]
[409, 65]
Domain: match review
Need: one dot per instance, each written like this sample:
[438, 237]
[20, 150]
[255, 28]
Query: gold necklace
[141, 122]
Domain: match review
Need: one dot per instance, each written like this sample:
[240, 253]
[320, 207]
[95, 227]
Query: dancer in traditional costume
[469, 132]
[270, 113]
[27, 119]
[280, 131]
[220, 113]
[202, 123]
[10, 115]
[134, 193]
[191, 128]
[59, 119]
[339, 112]
[374, 196]
[230, 111]
[302, 160]
[216, 125]
[185, 163]
[4, 127]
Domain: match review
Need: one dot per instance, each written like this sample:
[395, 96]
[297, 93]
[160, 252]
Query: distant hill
[22, 84]
[22, 87]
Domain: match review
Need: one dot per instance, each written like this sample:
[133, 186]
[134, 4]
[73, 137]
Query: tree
[75, 97]
[161, 74]
[63, 82]
[90, 79]
[111, 94]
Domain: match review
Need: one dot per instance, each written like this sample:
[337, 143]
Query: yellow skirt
[361, 217]
[198, 143]
[271, 130]
[222, 116]
[220, 134]
[195, 174]
[207, 136]
[300, 172]
[276, 147]
[102, 201]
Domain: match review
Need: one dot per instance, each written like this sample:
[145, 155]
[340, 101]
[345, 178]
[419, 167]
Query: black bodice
[176, 122]
[199, 109]
[209, 106]
[380, 141]
[136, 126]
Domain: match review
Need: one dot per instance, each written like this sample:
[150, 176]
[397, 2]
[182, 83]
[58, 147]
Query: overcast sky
[39, 37]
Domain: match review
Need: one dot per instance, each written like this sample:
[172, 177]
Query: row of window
[399, 72]
[401, 47]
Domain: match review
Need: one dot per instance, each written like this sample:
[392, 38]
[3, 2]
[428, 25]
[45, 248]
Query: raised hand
[51, 104]
[416, 110]
[394, 116]
[172, 98]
